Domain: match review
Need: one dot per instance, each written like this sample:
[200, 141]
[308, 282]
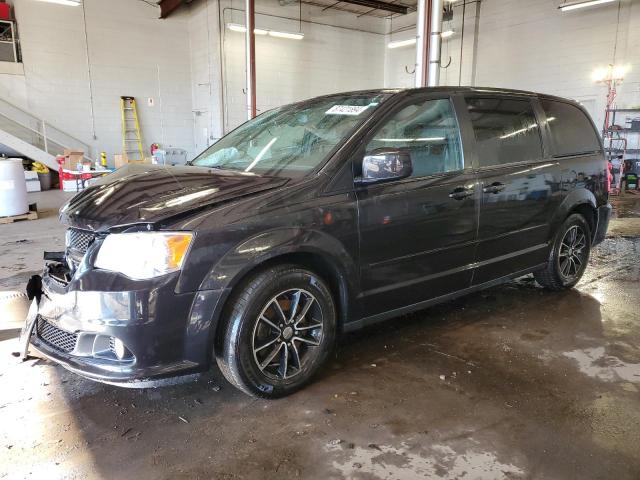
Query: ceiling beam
[167, 7]
[379, 5]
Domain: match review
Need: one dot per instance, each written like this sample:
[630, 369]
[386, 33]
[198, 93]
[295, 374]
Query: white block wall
[131, 53]
[177, 63]
[338, 53]
[206, 75]
[534, 46]
[531, 45]
[182, 65]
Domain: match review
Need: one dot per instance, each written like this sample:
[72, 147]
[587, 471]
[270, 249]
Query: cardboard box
[72, 158]
[70, 185]
[33, 183]
[120, 160]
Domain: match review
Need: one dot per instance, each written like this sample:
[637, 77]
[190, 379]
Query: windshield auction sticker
[346, 110]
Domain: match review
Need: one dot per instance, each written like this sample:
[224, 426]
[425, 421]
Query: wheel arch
[323, 255]
[580, 201]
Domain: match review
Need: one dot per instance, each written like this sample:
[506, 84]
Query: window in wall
[9, 50]
[571, 130]
[506, 130]
[429, 131]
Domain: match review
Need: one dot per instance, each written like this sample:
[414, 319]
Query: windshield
[293, 140]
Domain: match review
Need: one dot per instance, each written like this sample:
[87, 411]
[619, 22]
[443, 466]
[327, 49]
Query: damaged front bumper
[129, 333]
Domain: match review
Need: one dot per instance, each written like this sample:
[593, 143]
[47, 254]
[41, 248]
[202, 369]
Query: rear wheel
[569, 255]
[280, 330]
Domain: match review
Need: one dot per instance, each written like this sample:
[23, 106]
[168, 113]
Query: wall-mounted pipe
[422, 43]
[428, 43]
[435, 42]
[250, 40]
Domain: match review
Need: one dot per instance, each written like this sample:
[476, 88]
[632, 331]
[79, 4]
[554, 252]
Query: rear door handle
[460, 193]
[495, 187]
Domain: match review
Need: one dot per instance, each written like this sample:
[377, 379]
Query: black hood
[150, 193]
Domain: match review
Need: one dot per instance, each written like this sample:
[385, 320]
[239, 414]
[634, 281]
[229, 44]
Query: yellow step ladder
[131, 136]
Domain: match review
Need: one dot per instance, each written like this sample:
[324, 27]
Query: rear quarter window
[506, 130]
[571, 130]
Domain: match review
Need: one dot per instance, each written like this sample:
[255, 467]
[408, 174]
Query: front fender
[251, 253]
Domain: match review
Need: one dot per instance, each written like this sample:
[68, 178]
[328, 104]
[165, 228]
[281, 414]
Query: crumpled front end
[113, 329]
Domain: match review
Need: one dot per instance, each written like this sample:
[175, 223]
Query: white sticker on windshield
[346, 110]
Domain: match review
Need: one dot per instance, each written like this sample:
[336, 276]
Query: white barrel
[13, 188]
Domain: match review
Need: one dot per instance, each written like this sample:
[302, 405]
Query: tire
[568, 256]
[264, 317]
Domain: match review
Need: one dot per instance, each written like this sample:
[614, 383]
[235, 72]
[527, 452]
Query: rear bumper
[168, 336]
[604, 214]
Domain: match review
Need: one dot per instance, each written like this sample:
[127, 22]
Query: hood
[151, 193]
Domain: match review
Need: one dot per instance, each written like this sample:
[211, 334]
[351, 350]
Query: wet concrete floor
[513, 382]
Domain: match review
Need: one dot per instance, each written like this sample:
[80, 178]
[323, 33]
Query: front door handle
[495, 187]
[460, 193]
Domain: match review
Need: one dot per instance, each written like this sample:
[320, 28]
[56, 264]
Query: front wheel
[280, 330]
[569, 255]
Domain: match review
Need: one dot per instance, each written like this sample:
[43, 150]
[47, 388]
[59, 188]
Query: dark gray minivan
[316, 218]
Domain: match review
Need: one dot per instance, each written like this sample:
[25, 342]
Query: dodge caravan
[314, 219]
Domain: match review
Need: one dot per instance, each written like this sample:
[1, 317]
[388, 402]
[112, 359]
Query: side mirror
[386, 164]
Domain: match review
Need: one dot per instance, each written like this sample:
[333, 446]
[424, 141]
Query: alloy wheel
[287, 334]
[573, 252]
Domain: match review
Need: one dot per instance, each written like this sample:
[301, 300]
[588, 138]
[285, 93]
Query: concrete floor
[514, 382]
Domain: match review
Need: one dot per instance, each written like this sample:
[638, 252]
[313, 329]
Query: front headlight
[143, 255]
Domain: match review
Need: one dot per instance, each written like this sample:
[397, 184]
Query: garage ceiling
[360, 8]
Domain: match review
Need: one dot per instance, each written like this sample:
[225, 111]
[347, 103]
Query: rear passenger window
[429, 131]
[571, 130]
[506, 130]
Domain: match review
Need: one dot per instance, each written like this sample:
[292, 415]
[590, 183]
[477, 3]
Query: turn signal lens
[177, 246]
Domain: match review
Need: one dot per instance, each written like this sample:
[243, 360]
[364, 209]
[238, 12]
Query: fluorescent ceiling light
[412, 41]
[565, 7]
[401, 43]
[241, 28]
[293, 36]
[69, 3]
[259, 31]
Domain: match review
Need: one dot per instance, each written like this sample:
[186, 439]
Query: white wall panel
[131, 52]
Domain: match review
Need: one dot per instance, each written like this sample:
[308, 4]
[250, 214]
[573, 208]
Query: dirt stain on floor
[513, 382]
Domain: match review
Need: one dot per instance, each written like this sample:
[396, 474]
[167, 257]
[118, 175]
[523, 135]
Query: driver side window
[428, 130]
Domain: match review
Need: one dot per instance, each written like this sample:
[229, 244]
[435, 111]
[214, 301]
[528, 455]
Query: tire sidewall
[244, 318]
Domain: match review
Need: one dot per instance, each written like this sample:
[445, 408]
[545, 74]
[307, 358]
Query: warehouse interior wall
[187, 72]
[532, 46]
[75, 81]
[176, 68]
[338, 53]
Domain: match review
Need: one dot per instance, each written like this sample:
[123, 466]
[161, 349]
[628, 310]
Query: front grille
[79, 240]
[55, 337]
